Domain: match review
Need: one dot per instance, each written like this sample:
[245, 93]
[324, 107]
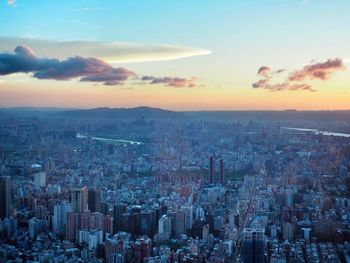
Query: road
[253, 191]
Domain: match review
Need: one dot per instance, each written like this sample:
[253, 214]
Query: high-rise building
[112, 250]
[164, 225]
[143, 249]
[84, 220]
[188, 217]
[79, 199]
[90, 238]
[104, 208]
[253, 245]
[180, 223]
[205, 232]
[306, 233]
[34, 227]
[110, 149]
[289, 197]
[108, 224]
[221, 171]
[59, 220]
[96, 221]
[73, 225]
[118, 211]
[94, 200]
[211, 169]
[148, 223]
[40, 179]
[288, 231]
[5, 196]
[10, 224]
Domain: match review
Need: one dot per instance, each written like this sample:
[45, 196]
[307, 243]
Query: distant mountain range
[286, 115]
[123, 113]
[156, 113]
[162, 114]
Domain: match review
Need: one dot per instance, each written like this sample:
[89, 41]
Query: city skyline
[198, 55]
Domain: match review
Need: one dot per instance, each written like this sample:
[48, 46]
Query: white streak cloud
[111, 52]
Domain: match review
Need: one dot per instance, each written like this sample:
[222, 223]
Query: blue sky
[241, 35]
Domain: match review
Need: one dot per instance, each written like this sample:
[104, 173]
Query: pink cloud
[322, 71]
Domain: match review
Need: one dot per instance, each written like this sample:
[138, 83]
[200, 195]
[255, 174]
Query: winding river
[315, 131]
[108, 140]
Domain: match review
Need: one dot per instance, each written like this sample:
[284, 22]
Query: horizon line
[168, 109]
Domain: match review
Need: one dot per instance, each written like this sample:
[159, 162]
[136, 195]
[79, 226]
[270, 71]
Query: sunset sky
[181, 54]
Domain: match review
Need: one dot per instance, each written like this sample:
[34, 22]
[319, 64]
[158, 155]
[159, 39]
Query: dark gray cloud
[24, 60]
[88, 69]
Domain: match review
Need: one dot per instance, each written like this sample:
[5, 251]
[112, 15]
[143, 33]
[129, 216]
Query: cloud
[322, 71]
[264, 71]
[111, 77]
[265, 84]
[24, 60]
[89, 69]
[11, 2]
[172, 82]
[111, 52]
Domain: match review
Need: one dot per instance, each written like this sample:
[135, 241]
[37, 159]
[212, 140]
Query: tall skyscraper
[96, 221]
[164, 225]
[211, 169]
[108, 224]
[143, 249]
[221, 171]
[188, 217]
[60, 212]
[289, 197]
[72, 226]
[5, 196]
[253, 245]
[94, 200]
[118, 211]
[180, 223]
[288, 231]
[147, 223]
[40, 179]
[79, 199]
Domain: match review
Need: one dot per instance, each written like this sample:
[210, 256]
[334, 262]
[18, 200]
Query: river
[315, 131]
[108, 140]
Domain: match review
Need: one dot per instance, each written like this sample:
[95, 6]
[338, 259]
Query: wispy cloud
[112, 52]
[270, 79]
[24, 60]
[172, 82]
[11, 2]
[322, 71]
[265, 84]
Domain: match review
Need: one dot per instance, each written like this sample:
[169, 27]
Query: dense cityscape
[174, 131]
[171, 189]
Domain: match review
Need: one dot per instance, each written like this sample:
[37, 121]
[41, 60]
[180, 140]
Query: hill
[122, 113]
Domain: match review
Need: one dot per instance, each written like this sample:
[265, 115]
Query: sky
[176, 54]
